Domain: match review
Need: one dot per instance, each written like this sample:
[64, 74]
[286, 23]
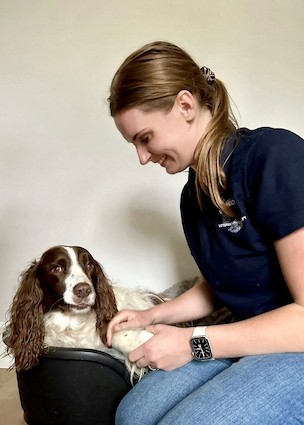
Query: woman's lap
[149, 401]
[256, 390]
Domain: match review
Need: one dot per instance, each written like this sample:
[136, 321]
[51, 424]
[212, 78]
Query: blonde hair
[151, 78]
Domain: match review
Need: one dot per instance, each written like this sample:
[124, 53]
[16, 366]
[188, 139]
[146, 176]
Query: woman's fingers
[128, 319]
[119, 322]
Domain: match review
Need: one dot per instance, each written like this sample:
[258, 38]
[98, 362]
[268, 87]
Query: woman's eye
[145, 139]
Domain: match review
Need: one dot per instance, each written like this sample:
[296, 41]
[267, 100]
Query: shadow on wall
[159, 230]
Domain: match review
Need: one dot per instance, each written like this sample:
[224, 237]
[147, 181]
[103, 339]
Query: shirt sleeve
[275, 182]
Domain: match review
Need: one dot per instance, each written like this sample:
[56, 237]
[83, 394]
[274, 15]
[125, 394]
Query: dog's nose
[82, 290]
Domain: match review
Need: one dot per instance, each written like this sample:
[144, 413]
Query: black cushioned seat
[72, 386]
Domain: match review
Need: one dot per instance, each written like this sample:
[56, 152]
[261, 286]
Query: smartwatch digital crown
[200, 344]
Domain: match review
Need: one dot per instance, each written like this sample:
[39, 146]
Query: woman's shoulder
[267, 136]
[272, 178]
[264, 143]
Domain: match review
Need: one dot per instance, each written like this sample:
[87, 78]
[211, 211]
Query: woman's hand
[126, 319]
[168, 349]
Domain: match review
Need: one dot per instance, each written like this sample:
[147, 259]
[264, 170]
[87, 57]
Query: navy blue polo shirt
[265, 172]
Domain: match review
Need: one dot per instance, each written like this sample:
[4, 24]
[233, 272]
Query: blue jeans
[254, 390]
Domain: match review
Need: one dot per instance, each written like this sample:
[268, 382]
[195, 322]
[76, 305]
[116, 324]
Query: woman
[243, 215]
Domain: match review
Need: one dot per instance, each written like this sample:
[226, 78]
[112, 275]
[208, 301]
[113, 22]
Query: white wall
[67, 176]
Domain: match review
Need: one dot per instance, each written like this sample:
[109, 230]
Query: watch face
[201, 349]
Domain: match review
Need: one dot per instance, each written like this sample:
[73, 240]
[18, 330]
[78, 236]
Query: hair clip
[208, 74]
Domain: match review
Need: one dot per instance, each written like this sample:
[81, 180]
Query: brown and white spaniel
[64, 299]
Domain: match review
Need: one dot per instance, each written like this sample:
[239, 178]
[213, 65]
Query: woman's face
[165, 138]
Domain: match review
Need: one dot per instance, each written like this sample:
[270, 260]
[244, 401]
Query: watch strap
[199, 331]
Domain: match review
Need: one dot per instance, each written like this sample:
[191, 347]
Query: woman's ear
[187, 104]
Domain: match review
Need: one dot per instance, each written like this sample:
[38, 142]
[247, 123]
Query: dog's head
[68, 277]
[64, 278]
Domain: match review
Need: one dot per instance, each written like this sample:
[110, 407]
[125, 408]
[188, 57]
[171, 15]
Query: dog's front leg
[126, 341]
[129, 339]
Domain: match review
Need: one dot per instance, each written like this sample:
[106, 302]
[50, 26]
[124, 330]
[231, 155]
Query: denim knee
[267, 389]
[158, 392]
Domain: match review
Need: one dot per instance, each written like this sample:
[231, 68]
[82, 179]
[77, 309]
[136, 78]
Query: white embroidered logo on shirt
[234, 224]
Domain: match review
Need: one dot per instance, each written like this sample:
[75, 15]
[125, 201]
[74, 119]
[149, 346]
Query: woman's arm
[280, 330]
[195, 303]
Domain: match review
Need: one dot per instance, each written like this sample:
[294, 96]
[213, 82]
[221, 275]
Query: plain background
[67, 175]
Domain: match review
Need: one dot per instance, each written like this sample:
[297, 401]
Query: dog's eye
[89, 265]
[57, 269]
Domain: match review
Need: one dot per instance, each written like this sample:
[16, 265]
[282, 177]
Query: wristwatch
[200, 344]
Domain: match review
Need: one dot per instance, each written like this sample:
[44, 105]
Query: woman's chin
[174, 169]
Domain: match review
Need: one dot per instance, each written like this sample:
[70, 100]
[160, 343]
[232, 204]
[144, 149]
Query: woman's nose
[143, 155]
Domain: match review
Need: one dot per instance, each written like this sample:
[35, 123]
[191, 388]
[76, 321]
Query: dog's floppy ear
[105, 304]
[25, 328]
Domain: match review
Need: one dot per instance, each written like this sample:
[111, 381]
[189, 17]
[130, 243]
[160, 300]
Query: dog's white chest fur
[71, 330]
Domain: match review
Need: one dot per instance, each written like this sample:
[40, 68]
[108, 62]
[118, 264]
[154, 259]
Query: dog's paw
[129, 339]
